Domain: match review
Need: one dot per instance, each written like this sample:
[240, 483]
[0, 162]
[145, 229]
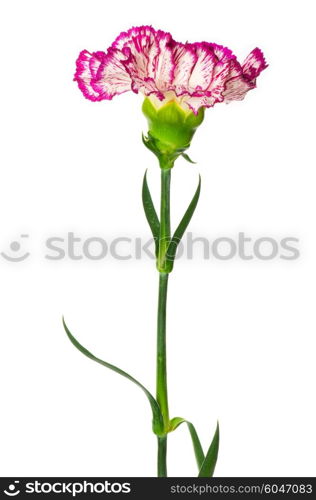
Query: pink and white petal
[223, 72]
[254, 64]
[142, 45]
[202, 71]
[95, 62]
[164, 62]
[184, 58]
[148, 58]
[87, 68]
[194, 103]
[140, 48]
[153, 47]
[136, 64]
[147, 86]
[143, 51]
[136, 67]
[127, 38]
[151, 51]
[222, 53]
[112, 78]
[236, 88]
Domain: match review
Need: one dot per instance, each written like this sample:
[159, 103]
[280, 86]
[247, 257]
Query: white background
[241, 333]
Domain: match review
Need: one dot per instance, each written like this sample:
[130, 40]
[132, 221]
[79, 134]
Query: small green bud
[171, 129]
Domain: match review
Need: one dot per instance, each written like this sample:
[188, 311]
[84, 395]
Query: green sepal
[157, 424]
[179, 232]
[150, 144]
[166, 159]
[187, 158]
[209, 463]
[150, 212]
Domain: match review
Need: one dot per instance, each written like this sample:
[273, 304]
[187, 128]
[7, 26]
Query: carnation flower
[194, 75]
[178, 80]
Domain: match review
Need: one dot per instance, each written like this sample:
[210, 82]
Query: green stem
[162, 392]
[164, 237]
[162, 456]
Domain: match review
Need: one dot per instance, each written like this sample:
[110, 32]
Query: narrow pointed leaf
[198, 450]
[209, 463]
[150, 212]
[179, 232]
[187, 158]
[175, 422]
[157, 417]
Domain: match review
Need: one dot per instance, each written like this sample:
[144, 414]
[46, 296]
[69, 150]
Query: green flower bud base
[170, 130]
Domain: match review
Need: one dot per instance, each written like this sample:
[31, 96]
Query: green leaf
[198, 450]
[209, 463]
[187, 158]
[179, 232]
[157, 417]
[175, 422]
[150, 212]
